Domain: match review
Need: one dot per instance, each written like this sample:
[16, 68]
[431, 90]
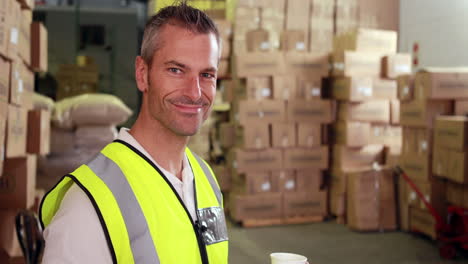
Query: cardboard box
[273, 23]
[309, 87]
[351, 134]
[3, 125]
[417, 167]
[266, 111]
[24, 46]
[322, 9]
[260, 206]
[457, 194]
[255, 160]
[422, 113]
[371, 203]
[258, 64]
[354, 63]
[417, 141]
[384, 15]
[451, 132]
[385, 134]
[396, 64]
[39, 47]
[423, 222]
[4, 79]
[287, 180]
[306, 158]
[307, 64]
[258, 41]
[259, 88]
[434, 191]
[442, 83]
[283, 135]
[370, 40]
[227, 134]
[297, 14]
[22, 85]
[405, 84]
[353, 89]
[440, 161]
[384, 89]
[223, 176]
[346, 158]
[18, 183]
[254, 183]
[309, 180]
[38, 141]
[457, 170]
[377, 111]
[4, 27]
[321, 33]
[309, 135]
[461, 107]
[305, 204]
[14, 28]
[318, 111]
[253, 136]
[293, 40]
[284, 87]
[395, 112]
[17, 123]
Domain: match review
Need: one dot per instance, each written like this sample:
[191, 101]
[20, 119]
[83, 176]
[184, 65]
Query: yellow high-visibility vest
[143, 217]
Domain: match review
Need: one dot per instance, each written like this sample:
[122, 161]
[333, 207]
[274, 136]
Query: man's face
[182, 79]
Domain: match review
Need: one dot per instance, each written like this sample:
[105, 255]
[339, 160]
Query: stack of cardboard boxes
[276, 152]
[449, 159]
[24, 132]
[431, 147]
[364, 84]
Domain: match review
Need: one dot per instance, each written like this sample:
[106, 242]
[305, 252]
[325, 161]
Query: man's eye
[175, 70]
[207, 75]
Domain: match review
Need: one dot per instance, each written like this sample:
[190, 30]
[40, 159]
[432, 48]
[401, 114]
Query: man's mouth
[189, 108]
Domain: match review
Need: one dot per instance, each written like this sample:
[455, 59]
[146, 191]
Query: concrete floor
[331, 243]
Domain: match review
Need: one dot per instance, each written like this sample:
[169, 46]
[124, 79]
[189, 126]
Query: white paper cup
[287, 258]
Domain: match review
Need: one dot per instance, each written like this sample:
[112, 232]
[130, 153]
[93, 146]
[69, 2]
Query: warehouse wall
[439, 27]
[121, 35]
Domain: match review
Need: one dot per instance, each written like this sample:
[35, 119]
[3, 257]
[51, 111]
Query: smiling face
[179, 87]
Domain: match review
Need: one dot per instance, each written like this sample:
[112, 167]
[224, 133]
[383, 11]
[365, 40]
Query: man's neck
[166, 148]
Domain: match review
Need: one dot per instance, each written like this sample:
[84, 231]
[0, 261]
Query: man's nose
[193, 88]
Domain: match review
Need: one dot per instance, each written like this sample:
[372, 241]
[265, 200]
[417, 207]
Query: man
[146, 198]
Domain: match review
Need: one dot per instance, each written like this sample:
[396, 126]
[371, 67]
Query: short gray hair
[181, 15]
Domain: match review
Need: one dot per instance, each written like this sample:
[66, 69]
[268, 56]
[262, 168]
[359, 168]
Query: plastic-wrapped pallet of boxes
[24, 130]
[367, 132]
[81, 127]
[277, 156]
[424, 98]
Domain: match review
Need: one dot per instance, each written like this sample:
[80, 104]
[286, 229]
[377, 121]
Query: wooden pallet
[281, 221]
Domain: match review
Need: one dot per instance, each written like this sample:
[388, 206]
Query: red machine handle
[440, 223]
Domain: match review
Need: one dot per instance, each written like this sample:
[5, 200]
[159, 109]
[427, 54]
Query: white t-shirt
[75, 234]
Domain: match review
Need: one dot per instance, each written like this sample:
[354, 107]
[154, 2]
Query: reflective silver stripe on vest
[211, 179]
[138, 232]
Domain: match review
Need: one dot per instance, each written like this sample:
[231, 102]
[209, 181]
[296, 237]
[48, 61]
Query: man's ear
[141, 74]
